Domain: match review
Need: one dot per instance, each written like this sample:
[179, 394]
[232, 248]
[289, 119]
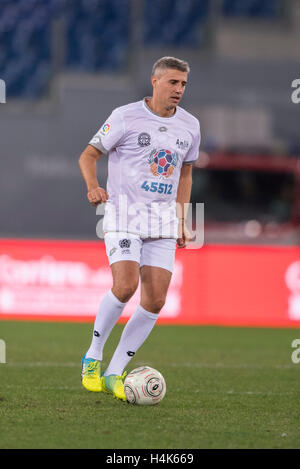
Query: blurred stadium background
[66, 64]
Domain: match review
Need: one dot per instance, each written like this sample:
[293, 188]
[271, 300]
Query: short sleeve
[110, 134]
[193, 153]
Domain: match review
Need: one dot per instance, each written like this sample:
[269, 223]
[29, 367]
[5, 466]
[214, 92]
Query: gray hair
[161, 65]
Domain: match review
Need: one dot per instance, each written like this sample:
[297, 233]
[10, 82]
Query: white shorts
[156, 252]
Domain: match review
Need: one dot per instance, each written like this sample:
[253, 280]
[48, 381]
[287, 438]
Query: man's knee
[124, 292]
[125, 279]
[154, 305]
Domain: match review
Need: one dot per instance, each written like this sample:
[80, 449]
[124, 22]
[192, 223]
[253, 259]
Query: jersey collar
[155, 113]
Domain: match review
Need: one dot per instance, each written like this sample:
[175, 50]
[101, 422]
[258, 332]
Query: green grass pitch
[226, 388]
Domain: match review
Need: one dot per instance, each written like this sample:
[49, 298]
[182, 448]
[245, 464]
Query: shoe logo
[96, 334]
[130, 354]
[125, 243]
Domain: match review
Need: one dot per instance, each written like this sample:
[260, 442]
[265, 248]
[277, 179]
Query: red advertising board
[214, 285]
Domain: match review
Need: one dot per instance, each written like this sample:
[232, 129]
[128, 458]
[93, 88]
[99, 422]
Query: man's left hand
[184, 235]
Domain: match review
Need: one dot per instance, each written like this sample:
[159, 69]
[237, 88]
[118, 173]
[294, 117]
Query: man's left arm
[183, 197]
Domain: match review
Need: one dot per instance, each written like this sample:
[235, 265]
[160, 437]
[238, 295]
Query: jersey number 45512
[158, 187]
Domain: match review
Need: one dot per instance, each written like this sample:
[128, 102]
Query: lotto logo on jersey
[105, 129]
[162, 163]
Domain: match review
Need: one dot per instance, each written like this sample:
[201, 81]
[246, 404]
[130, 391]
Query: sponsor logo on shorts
[144, 139]
[125, 243]
[112, 251]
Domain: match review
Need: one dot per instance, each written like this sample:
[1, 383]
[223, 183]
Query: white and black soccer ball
[144, 386]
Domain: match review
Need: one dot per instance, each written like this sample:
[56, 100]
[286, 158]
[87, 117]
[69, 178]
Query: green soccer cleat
[91, 374]
[114, 384]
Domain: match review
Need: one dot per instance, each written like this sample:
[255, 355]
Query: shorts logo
[105, 129]
[162, 163]
[124, 243]
[144, 139]
[112, 251]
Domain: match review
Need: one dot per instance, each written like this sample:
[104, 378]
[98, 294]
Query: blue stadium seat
[25, 44]
[174, 22]
[268, 9]
[97, 38]
[98, 35]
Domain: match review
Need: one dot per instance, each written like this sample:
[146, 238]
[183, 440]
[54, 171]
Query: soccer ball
[144, 386]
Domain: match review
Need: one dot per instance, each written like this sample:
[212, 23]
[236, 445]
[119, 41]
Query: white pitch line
[43, 365]
[166, 365]
[249, 393]
[47, 388]
[224, 365]
[197, 391]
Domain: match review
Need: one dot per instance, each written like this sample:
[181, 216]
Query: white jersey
[146, 153]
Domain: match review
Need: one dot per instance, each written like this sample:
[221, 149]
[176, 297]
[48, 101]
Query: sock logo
[130, 354]
[96, 334]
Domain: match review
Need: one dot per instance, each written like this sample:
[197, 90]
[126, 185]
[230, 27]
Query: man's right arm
[88, 167]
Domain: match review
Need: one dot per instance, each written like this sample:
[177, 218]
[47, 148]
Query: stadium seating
[268, 9]
[25, 47]
[175, 23]
[96, 34]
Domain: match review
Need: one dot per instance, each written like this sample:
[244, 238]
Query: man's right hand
[88, 166]
[97, 196]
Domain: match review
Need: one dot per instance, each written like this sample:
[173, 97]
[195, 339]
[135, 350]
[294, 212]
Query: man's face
[168, 88]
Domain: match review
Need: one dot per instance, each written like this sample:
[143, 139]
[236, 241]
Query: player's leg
[125, 276]
[154, 286]
[125, 273]
[155, 282]
[125, 280]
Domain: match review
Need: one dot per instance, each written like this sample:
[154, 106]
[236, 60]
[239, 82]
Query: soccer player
[151, 145]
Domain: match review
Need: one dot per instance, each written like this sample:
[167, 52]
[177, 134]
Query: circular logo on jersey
[144, 139]
[162, 162]
[105, 129]
[125, 243]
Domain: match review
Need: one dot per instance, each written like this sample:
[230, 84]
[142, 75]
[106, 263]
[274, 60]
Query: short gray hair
[170, 62]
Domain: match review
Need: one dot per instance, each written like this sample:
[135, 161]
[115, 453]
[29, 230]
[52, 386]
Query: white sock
[110, 310]
[134, 335]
